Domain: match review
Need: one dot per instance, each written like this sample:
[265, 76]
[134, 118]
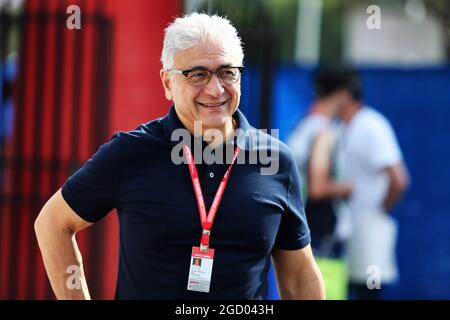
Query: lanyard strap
[207, 220]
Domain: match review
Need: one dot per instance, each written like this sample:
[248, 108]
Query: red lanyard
[206, 220]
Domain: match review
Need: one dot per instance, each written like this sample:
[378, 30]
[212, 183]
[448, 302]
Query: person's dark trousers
[358, 291]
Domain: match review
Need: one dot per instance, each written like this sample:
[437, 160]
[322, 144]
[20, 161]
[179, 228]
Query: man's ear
[167, 84]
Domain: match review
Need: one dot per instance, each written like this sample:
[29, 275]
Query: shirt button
[211, 175]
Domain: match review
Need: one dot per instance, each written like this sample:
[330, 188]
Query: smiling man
[199, 95]
[227, 215]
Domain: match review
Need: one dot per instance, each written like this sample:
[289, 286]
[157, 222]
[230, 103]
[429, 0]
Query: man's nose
[214, 88]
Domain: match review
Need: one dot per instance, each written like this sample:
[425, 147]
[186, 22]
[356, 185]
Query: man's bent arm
[398, 182]
[56, 227]
[298, 275]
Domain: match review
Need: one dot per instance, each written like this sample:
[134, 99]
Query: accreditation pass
[200, 270]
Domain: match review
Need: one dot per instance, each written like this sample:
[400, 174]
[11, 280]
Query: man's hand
[56, 227]
[298, 275]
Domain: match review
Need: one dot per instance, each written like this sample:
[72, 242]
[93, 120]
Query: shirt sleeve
[384, 150]
[92, 190]
[294, 232]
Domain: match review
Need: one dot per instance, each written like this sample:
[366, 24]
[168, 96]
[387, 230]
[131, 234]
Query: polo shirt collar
[171, 122]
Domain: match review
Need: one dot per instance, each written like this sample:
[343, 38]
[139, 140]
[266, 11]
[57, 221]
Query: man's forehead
[207, 55]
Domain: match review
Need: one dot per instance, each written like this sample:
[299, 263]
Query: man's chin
[219, 125]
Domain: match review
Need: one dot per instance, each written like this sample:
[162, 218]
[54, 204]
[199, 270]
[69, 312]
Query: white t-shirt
[367, 145]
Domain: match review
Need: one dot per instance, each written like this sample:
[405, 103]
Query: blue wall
[417, 102]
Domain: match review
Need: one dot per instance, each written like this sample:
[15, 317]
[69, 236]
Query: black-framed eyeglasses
[201, 76]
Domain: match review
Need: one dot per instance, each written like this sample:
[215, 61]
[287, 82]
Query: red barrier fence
[74, 89]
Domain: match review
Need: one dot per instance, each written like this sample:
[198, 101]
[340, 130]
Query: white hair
[197, 28]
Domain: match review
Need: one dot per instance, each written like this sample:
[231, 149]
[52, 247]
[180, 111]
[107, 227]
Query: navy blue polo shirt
[159, 220]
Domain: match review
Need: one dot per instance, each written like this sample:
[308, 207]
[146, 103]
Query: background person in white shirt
[370, 159]
[313, 143]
